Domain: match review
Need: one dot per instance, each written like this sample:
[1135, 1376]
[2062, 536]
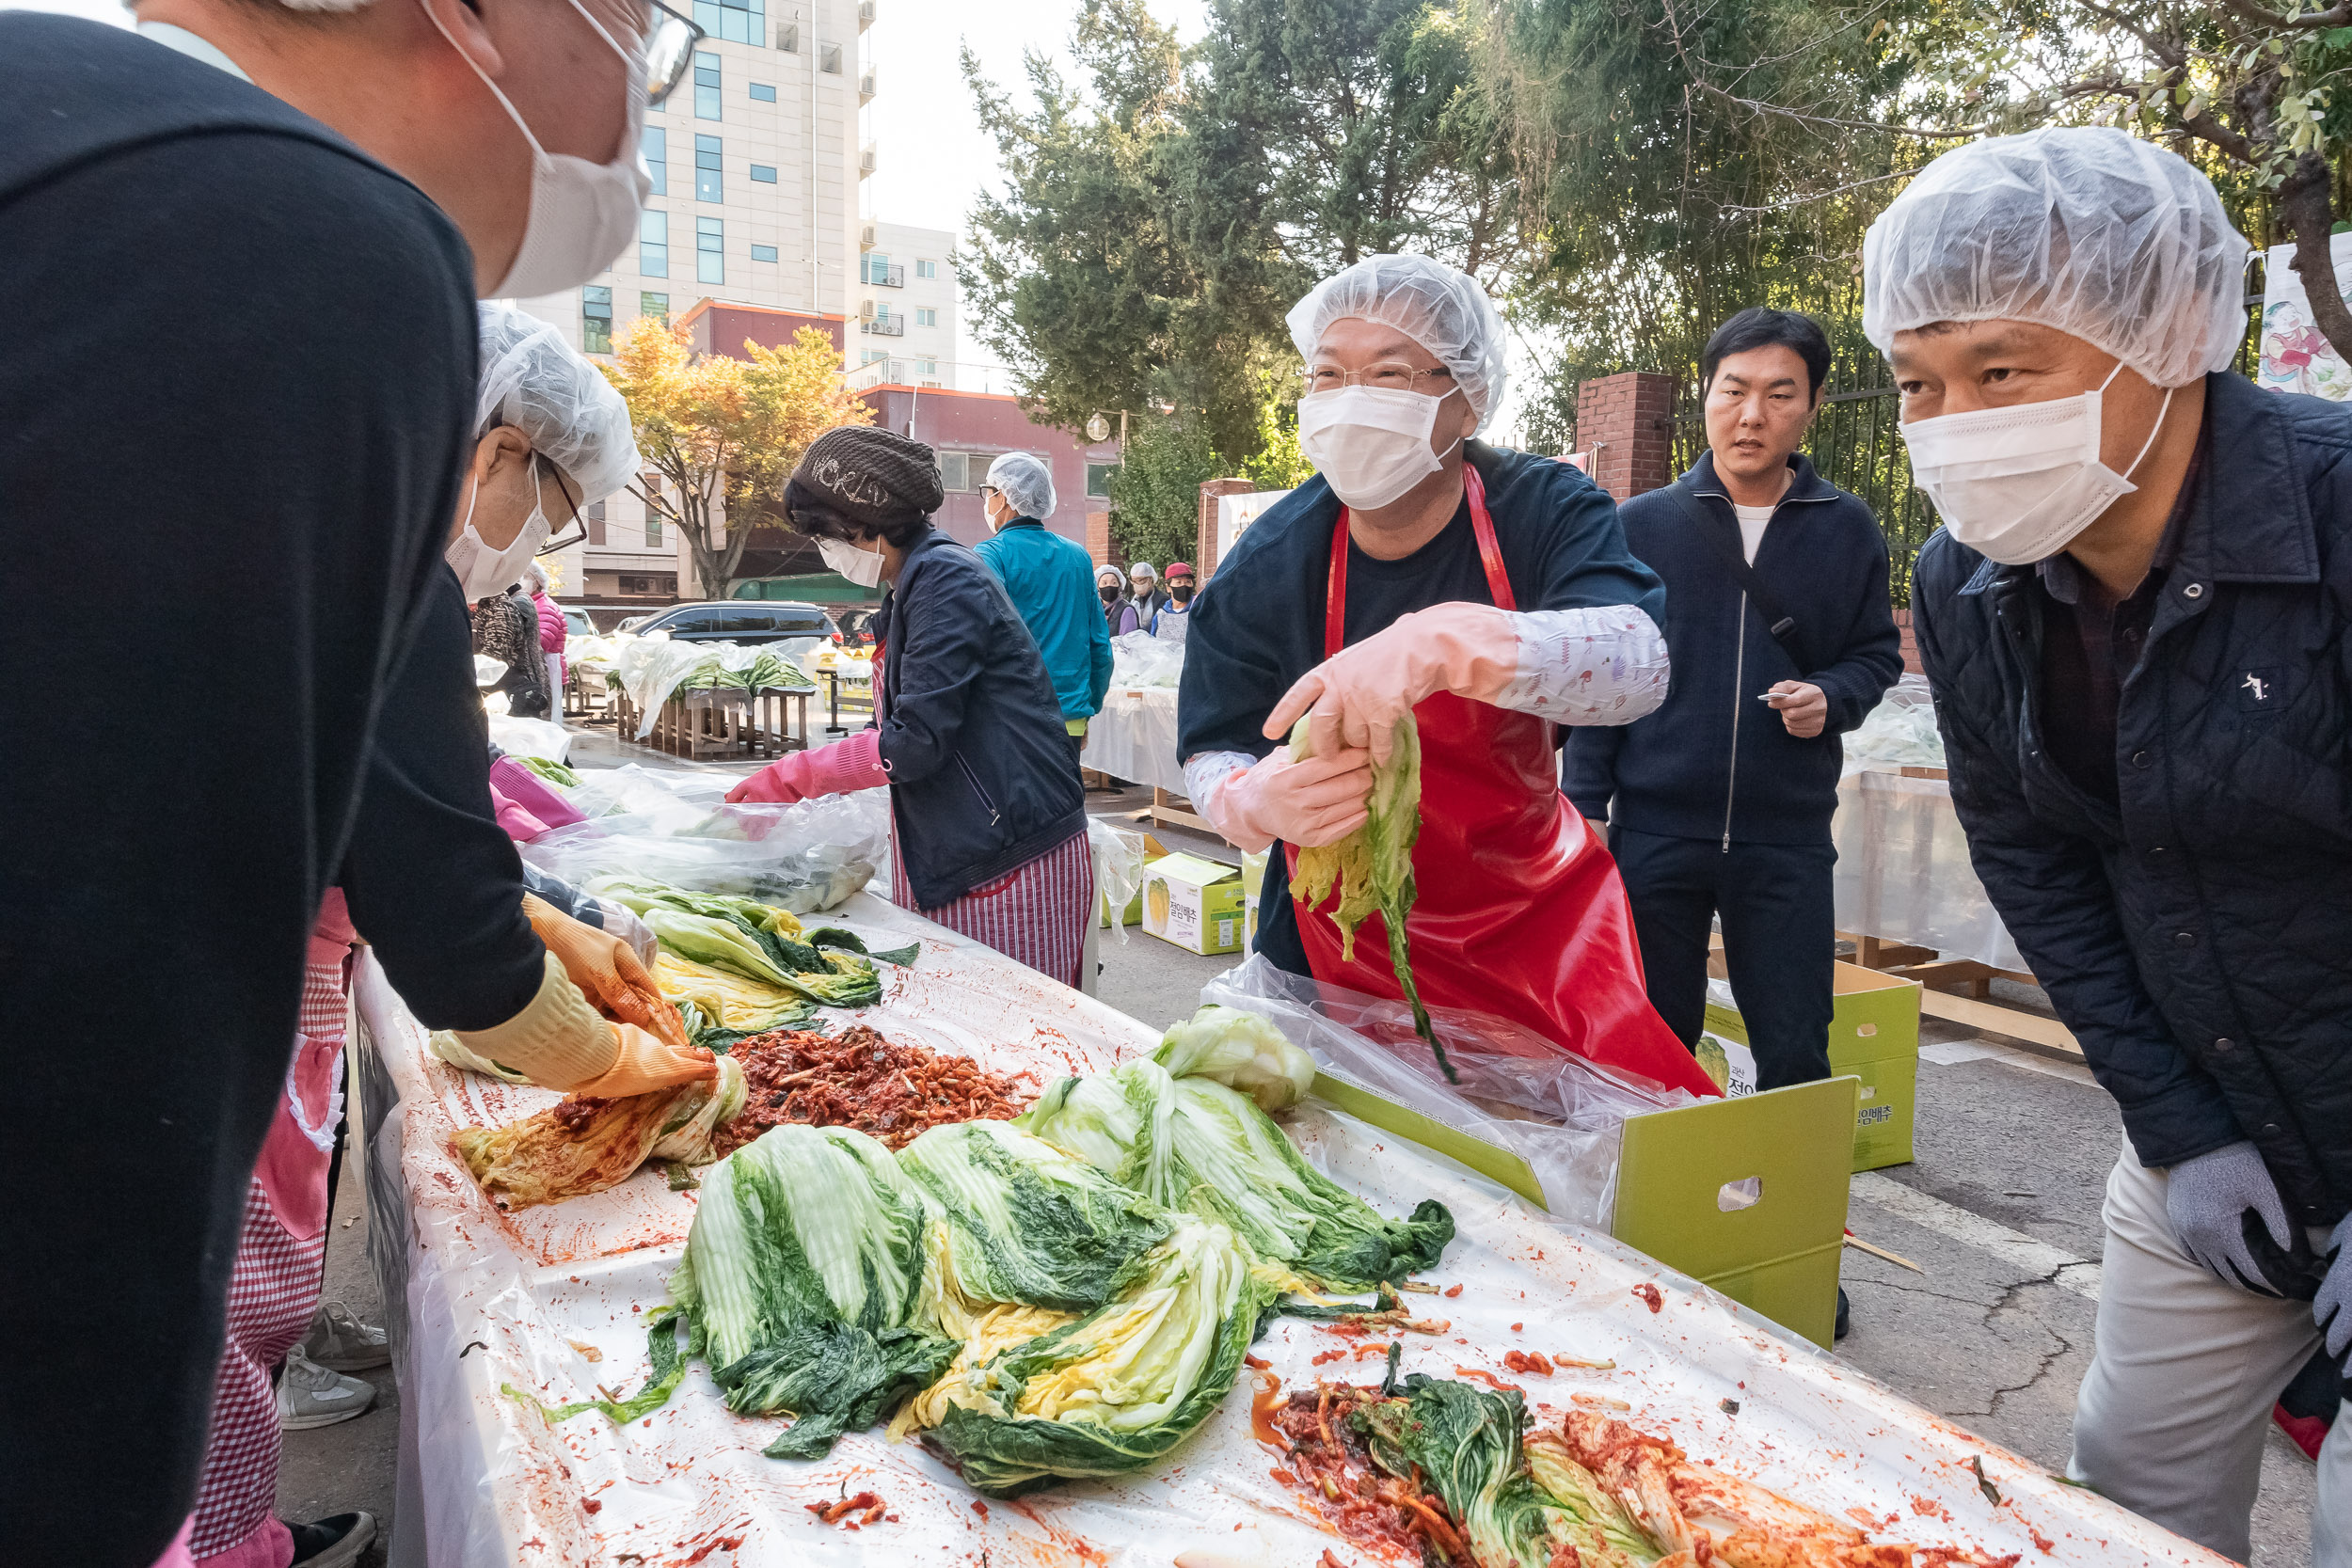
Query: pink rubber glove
[836, 770]
[1310, 803]
[1357, 695]
[534, 794]
[520, 824]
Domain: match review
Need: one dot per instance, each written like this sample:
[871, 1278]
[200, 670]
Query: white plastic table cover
[1903, 873]
[551, 1301]
[1134, 738]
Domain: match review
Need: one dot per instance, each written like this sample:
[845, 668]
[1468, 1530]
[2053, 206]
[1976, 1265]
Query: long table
[550, 1302]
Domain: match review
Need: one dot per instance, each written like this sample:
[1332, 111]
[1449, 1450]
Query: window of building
[1099, 478]
[653, 243]
[788, 37]
[595, 522]
[707, 170]
[710, 250]
[706, 85]
[829, 58]
[924, 316]
[764, 174]
[652, 529]
[735, 21]
[763, 93]
[595, 318]
[874, 267]
[927, 269]
[926, 367]
[653, 305]
[656, 146]
[763, 253]
[867, 357]
[955, 470]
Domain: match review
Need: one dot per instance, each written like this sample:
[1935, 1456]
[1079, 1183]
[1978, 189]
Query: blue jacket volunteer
[1050, 581]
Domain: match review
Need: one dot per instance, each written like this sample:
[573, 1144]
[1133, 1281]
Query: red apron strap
[1489, 555]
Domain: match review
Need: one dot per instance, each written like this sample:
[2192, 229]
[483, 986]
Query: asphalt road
[1999, 1210]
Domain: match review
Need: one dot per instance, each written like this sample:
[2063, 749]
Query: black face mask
[1181, 591]
[1110, 595]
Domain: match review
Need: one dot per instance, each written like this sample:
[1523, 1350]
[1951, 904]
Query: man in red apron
[1487, 592]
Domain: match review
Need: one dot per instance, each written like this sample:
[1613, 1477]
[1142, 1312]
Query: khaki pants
[2171, 1419]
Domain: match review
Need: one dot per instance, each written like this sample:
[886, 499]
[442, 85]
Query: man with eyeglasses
[242, 249]
[1485, 594]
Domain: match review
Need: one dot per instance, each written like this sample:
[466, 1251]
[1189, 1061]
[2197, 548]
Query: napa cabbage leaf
[1115, 1389]
[1023, 1223]
[804, 1281]
[1240, 1051]
[1192, 1143]
[836, 978]
[1465, 1444]
[1371, 868]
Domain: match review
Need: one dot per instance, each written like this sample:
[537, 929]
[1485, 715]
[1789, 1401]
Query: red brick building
[971, 430]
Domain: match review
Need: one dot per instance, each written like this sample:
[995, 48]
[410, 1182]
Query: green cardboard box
[1252, 883]
[1193, 903]
[1873, 1035]
[1132, 914]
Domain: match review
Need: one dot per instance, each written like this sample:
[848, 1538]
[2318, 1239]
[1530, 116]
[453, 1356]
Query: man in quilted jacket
[2134, 621]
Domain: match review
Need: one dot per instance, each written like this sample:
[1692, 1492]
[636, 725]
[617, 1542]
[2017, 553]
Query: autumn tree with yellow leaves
[721, 433]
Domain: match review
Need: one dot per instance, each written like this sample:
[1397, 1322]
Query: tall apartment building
[906, 308]
[758, 168]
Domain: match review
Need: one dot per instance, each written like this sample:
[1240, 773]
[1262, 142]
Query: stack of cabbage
[1067, 1296]
[744, 967]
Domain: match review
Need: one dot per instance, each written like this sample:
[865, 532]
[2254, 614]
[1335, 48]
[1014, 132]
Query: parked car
[854, 625]
[575, 622]
[749, 622]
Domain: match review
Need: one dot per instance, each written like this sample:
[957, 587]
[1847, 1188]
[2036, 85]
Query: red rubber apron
[1519, 908]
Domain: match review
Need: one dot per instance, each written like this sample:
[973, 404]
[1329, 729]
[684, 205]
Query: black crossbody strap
[1726, 544]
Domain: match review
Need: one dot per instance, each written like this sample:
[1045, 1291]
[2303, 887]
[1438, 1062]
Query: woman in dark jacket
[987, 808]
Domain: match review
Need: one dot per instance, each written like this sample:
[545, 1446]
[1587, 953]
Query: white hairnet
[536, 382]
[2101, 236]
[1443, 311]
[1144, 569]
[1026, 482]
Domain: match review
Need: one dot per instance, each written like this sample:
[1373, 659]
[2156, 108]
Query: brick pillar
[1204, 560]
[1625, 424]
[1099, 537]
[1910, 643]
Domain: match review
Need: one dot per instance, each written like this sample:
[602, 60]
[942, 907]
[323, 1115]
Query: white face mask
[483, 570]
[2017, 485]
[1371, 444]
[582, 215]
[863, 567]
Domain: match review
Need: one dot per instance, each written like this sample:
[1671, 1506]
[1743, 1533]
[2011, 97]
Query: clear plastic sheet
[550, 1301]
[530, 738]
[1117, 867]
[1903, 873]
[1899, 733]
[1134, 738]
[1139, 659]
[805, 857]
[1509, 1075]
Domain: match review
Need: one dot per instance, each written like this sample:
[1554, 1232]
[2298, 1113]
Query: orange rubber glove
[645, 1063]
[605, 969]
[1358, 694]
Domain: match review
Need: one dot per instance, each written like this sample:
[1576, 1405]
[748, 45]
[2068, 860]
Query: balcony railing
[884, 276]
[906, 371]
[887, 326]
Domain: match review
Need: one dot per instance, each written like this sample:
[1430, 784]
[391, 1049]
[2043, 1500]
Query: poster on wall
[1236, 513]
[2296, 357]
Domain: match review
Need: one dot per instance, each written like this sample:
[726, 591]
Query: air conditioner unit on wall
[866, 237]
[866, 310]
[865, 161]
[864, 14]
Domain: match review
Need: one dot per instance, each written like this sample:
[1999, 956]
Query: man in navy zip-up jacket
[1720, 801]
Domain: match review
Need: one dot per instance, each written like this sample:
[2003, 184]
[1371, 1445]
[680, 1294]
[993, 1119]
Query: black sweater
[1713, 761]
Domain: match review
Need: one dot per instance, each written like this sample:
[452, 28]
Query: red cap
[1176, 566]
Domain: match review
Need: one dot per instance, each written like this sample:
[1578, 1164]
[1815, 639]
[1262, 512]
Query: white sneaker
[310, 1395]
[338, 1339]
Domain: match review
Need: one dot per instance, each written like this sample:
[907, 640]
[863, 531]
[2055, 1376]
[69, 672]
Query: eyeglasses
[563, 489]
[1392, 375]
[669, 52]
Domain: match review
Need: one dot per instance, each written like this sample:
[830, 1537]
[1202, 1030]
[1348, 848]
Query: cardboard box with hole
[1194, 903]
[1747, 1196]
[1874, 1035]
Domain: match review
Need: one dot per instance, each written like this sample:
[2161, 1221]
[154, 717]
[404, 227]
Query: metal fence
[1855, 447]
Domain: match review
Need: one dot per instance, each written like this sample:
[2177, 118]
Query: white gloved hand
[1310, 803]
[2207, 1199]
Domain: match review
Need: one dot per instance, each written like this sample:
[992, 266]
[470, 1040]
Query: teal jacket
[1050, 581]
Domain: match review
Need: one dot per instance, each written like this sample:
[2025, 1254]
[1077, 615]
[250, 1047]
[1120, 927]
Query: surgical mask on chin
[582, 215]
[863, 567]
[1371, 444]
[2018, 485]
[483, 570]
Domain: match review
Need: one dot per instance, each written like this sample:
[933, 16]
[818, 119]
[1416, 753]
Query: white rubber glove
[1310, 803]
